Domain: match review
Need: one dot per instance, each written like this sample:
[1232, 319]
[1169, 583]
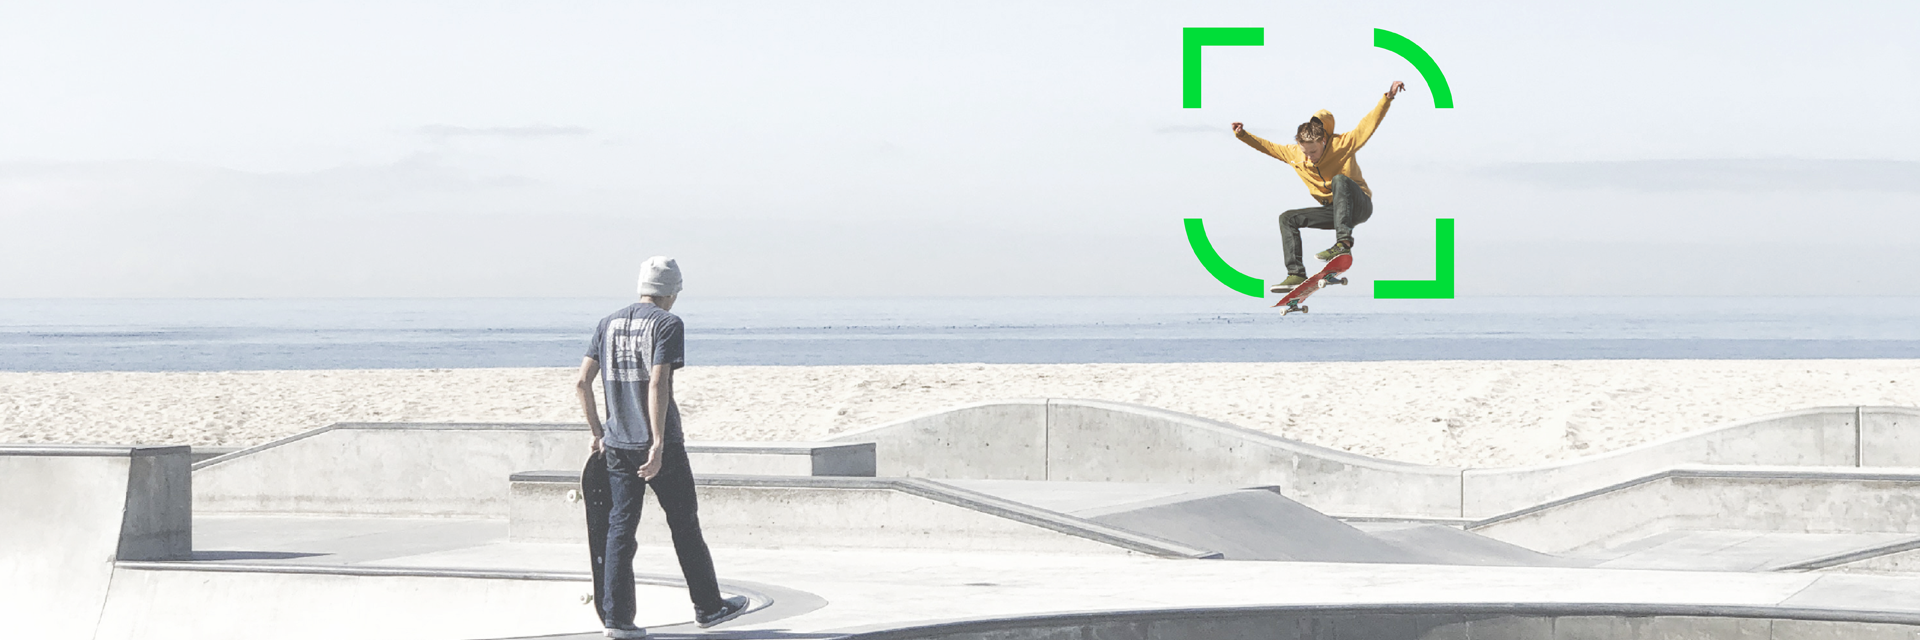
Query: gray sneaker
[730, 608]
[1288, 284]
[627, 633]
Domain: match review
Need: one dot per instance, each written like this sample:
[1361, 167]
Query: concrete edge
[1355, 459]
[789, 448]
[463, 426]
[1890, 474]
[1177, 498]
[1260, 437]
[938, 492]
[94, 450]
[1053, 520]
[419, 426]
[759, 595]
[247, 451]
[1850, 557]
[858, 435]
[984, 625]
[1670, 440]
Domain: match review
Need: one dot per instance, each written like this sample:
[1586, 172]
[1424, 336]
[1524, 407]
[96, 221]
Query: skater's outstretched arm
[1355, 138]
[1288, 153]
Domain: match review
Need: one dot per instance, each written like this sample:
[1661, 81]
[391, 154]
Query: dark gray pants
[1350, 207]
[674, 488]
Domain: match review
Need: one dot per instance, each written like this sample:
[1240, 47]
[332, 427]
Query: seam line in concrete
[1046, 440]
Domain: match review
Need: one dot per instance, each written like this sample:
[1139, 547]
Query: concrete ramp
[1442, 544]
[1799, 500]
[68, 513]
[1256, 523]
[1078, 440]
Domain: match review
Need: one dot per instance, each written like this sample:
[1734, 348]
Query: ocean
[265, 334]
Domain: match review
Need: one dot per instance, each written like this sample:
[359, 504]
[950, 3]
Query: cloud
[443, 131]
[1725, 174]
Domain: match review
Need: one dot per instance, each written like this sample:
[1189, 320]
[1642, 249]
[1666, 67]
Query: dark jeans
[1350, 206]
[674, 487]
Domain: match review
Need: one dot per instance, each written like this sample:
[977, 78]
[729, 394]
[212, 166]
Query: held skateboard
[597, 492]
[1327, 276]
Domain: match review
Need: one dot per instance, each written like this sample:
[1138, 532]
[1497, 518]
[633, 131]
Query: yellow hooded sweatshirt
[1336, 160]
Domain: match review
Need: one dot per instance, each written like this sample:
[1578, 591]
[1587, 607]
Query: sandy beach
[1461, 413]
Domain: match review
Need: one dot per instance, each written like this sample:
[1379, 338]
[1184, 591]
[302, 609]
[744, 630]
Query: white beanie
[659, 276]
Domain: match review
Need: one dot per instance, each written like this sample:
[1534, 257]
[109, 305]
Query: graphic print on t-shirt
[629, 342]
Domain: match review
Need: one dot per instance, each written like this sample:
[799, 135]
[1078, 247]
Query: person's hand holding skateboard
[1397, 87]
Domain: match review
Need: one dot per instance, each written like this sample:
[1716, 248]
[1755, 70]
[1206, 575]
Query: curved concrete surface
[193, 601]
[1065, 439]
[67, 514]
[1794, 499]
[1426, 622]
[1097, 441]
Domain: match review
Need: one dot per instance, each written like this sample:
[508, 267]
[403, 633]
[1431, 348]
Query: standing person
[641, 441]
[1325, 162]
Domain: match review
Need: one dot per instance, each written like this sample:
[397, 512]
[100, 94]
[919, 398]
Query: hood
[1326, 119]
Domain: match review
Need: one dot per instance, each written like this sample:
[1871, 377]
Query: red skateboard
[1327, 276]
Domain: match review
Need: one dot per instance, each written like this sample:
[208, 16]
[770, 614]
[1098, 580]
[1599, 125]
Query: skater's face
[1313, 150]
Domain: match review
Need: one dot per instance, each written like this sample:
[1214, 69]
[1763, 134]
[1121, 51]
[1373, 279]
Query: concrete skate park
[1043, 518]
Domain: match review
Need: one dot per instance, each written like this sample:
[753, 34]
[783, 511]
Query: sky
[523, 149]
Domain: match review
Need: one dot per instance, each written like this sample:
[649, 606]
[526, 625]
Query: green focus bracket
[1429, 70]
[1216, 265]
[1441, 286]
[1193, 38]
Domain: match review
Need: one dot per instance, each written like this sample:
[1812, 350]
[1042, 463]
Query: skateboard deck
[1295, 299]
[596, 492]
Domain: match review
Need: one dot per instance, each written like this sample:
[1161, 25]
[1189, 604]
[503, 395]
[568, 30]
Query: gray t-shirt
[628, 344]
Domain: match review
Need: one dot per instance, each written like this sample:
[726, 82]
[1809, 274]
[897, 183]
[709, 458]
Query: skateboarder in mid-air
[1325, 161]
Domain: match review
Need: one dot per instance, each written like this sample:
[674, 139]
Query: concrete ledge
[1091, 440]
[1066, 439]
[854, 459]
[1790, 499]
[71, 512]
[451, 469]
[1817, 437]
[886, 513]
[203, 454]
[1466, 621]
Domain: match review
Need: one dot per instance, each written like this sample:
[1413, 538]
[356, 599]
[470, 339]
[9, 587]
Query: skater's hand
[1237, 127]
[596, 445]
[1396, 88]
[652, 467]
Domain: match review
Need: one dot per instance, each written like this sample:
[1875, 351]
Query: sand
[1458, 413]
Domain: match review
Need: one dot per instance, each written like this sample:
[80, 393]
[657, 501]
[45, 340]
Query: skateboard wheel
[1303, 308]
[573, 495]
